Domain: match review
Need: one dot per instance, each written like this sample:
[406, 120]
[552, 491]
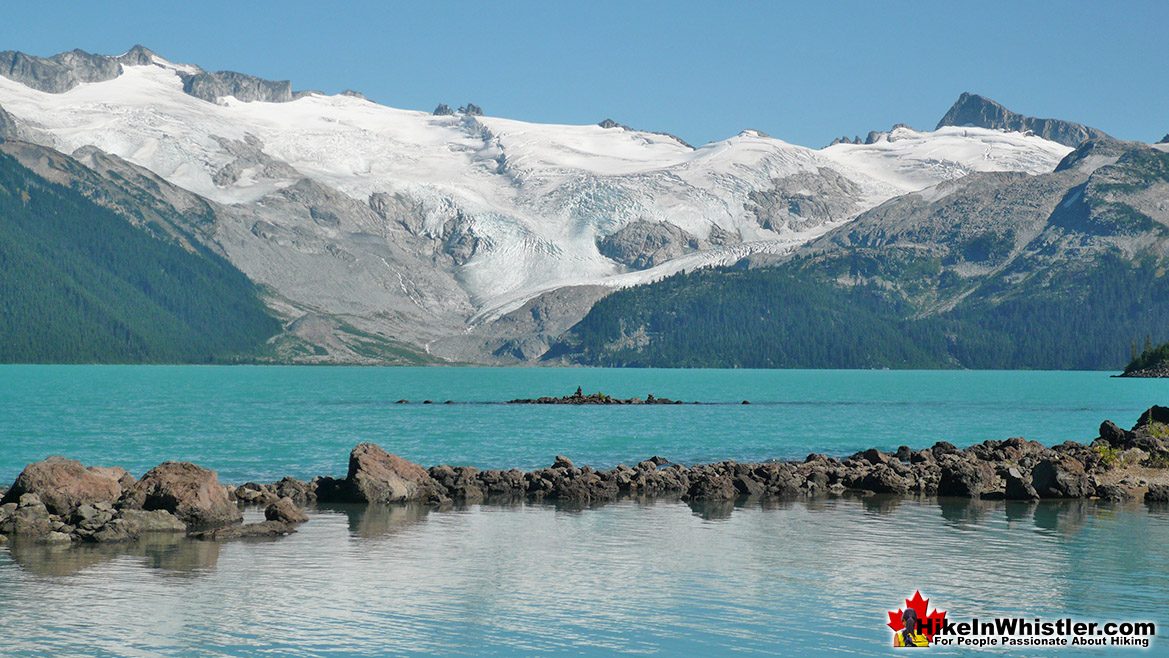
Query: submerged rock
[251, 530]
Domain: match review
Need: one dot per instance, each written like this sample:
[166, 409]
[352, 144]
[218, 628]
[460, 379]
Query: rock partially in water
[1157, 493]
[63, 484]
[251, 530]
[1061, 477]
[190, 492]
[595, 398]
[285, 511]
[376, 476]
[29, 519]
[965, 477]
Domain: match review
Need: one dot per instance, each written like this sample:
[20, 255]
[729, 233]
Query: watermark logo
[914, 625]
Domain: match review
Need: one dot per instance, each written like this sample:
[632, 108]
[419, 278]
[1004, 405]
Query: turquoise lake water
[802, 577]
[262, 423]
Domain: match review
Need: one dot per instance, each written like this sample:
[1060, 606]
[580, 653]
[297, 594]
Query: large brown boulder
[285, 511]
[376, 476]
[63, 485]
[190, 492]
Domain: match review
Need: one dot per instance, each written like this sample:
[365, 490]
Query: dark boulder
[301, 493]
[748, 486]
[192, 493]
[115, 530]
[1157, 493]
[883, 479]
[562, 462]
[964, 478]
[29, 519]
[712, 487]
[1115, 436]
[943, 448]
[1114, 493]
[63, 485]
[1018, 484]
[1061, 477]
[1154, 414]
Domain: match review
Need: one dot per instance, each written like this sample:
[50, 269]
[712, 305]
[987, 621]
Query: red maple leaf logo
[930, 623]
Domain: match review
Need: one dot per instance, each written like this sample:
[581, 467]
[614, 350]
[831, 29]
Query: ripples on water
[633, 577]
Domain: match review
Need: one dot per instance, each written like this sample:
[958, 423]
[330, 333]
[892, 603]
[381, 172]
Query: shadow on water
[169, 553]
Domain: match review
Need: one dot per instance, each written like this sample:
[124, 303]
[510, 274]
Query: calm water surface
[262, 423]
[635, 577]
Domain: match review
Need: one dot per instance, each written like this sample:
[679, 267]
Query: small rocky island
[595, 398]
[61, 500]
[1152, 362]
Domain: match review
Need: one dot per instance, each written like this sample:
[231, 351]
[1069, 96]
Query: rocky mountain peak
[981, 112]
[139, 55]
[59, 73]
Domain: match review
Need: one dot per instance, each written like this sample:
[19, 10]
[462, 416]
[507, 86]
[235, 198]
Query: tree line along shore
[61, 500]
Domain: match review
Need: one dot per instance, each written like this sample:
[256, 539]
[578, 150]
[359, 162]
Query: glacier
[431, 229]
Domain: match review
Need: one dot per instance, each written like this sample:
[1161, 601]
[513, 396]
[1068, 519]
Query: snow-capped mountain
[427, 228]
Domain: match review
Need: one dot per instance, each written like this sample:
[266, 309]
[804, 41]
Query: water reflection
[168, 552]
[634, 576]
[370, 521]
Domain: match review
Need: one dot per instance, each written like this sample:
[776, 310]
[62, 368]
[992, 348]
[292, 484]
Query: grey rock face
[443, 110]
[471, 109]
[609, 123]
[59, 73]
[804, 200]
[353, 94]
[212, 86]
[642, 244]
[7, 125]
[974, 110]
[249, 154]
[1164, 140]
[1093, 154]
[139, 55]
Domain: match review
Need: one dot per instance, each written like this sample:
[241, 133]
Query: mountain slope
[80, 284]
[996, 270]
[435, 230]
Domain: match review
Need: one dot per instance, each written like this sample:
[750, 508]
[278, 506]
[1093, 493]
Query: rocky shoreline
[61, 500]
[594, 398]
[1155, 371]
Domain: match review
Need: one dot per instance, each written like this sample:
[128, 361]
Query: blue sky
[802, 72]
